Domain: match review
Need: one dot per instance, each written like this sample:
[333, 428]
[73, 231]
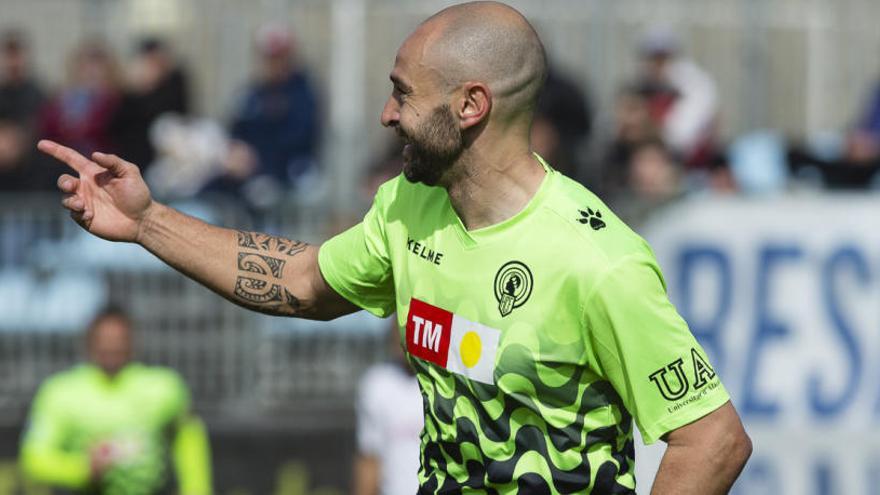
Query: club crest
[513, 286]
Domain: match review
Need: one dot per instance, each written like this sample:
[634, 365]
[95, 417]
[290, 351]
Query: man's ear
[475, 105]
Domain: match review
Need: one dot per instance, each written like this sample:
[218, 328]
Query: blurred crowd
[142, 109]
[660, 142]
[664, 142]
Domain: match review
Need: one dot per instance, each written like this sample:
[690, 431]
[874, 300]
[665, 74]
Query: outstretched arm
[265, 273]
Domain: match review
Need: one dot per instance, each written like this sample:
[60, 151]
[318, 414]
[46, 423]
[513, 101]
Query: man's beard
[432, 148]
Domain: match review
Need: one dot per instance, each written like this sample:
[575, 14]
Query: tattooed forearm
[259, 284]
[265, 297]
[246, 239]
[271, 243]
[262, 264]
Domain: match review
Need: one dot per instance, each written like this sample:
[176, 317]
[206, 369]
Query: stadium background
[782, 286]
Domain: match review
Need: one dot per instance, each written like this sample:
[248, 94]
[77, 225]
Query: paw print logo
[592, 217]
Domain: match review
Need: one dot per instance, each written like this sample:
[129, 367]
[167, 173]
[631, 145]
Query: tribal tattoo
[261, 264]
[259, 285]
[271, 243]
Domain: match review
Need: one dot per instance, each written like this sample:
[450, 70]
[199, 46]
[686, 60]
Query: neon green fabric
[132, 414]
[192, 457]
[570, 307]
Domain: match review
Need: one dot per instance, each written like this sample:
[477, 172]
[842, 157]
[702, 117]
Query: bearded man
[536, 321]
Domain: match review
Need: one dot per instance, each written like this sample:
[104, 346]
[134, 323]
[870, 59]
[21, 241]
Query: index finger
[73, 159]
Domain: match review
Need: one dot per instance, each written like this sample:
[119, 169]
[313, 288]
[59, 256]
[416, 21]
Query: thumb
[117, 166]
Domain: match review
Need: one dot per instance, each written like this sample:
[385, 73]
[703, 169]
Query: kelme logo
[513, 286]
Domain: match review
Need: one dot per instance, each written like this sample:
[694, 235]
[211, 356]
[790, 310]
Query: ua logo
[675, 388]
[668, 392]
[702, 371]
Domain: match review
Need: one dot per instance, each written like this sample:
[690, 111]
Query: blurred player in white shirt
[389, 421]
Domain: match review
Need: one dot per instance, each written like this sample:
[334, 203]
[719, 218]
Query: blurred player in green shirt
[111, 426]
[537, 322]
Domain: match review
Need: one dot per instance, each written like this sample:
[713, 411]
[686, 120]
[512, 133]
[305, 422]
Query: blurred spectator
[720, 179]
[191, 152]
[632, 126]
[654, 179]
[850, 170]
[390, 416]
[870, 122]
[653, 174]
[157, 84]
[20, 95]
[682, 98]
[276, 121]
[562, 124]
[852, 162]
[80, 115]
[20, 101]
[110, 426]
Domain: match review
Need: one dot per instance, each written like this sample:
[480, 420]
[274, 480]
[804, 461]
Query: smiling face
[432, 147]
[419, 111]
[466, 80]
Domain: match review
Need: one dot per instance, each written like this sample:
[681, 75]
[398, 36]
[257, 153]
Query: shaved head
[492, 43]
[467, 79]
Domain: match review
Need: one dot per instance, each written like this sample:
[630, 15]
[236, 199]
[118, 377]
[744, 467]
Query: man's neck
[492, 187]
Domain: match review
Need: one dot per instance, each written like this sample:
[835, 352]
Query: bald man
[536, 321]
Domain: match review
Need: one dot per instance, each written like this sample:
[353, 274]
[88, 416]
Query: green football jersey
[138, 417]
[536, 341]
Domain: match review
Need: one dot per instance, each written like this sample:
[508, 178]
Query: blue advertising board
[784, 295]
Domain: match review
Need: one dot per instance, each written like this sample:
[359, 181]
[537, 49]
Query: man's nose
[391, 113]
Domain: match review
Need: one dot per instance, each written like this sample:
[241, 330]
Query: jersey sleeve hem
[328, 271]
[685, 416]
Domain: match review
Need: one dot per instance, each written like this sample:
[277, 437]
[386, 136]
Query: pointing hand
[109, 198]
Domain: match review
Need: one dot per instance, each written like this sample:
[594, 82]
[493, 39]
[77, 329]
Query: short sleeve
[356, 263]
[645, 349]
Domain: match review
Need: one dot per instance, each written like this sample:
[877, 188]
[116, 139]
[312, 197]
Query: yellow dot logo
[471, 348]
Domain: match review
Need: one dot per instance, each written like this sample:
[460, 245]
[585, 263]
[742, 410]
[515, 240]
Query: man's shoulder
[398, 195]
[158, 376]
[68, 382]
[588, 226]
[161, 385]
[77, 373]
